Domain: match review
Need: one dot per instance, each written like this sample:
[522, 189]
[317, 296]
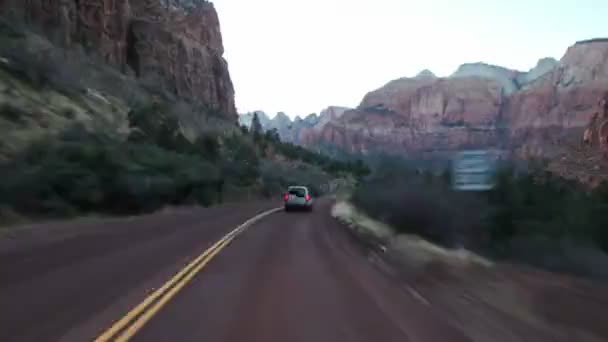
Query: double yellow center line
[135, 319]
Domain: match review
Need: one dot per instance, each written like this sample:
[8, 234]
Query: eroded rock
[176, 43]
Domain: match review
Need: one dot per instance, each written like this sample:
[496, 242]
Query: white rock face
[510, 80]
[426, 73]
[330, 114]
[542, 68]
[505, 77]
[311, 119]
[586, 61]
[245, 119]
[281, 120]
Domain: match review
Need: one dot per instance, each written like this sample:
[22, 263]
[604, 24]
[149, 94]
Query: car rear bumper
[296, 206]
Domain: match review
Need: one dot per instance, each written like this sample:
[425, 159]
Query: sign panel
[473, 171]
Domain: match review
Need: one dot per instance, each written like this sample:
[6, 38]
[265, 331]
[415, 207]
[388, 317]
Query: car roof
[294, 187]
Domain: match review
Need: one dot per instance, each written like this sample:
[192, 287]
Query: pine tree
[256, 126]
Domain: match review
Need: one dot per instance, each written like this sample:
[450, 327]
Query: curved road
[286, 277]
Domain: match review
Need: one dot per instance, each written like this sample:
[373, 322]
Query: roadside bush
[208, 146]
[294, 152]
[276, 177]
[153, 123]
[412, 205]
[545, 205]
[241, 161]
[84, 172]
[539, 219]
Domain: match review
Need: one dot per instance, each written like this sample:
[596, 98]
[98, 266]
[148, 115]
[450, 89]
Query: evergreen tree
[256, 126]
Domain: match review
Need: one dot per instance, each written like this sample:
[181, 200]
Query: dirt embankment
[489, 301]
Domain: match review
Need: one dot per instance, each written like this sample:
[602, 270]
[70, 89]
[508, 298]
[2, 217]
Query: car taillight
[286, 197]
[308, 197]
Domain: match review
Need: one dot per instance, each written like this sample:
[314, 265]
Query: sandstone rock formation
[175, 44]
[295, 131]
[287, 129]
[411, 116]
[283, 124]
[507, 78]
[510, 80]
[329, 114]
[311, 119]
[540, 113]
[426, 73]
[544, 66]
[555, 110]
[596, 133]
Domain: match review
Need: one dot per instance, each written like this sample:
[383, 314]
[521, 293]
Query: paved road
[287, 277]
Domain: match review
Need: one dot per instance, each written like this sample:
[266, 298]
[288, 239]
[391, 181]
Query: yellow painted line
[143, 319]
[170, 288]
[106, 336]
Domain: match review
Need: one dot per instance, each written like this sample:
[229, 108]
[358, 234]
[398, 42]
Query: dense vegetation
[535, 217]
[271, 139]
[81, 171]
[66, 150]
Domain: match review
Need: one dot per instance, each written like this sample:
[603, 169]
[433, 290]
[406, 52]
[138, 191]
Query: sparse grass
[411, 247]
[347, 213]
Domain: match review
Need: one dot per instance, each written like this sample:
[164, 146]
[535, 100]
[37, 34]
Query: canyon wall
[174, 44]
[534, 113]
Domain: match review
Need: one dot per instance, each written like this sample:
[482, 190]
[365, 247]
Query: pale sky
[302, 56]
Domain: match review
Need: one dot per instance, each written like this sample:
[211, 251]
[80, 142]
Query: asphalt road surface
[190, 276]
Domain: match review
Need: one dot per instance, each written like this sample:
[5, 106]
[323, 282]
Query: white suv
[298, 197]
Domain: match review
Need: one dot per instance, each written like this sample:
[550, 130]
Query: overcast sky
[302, 56]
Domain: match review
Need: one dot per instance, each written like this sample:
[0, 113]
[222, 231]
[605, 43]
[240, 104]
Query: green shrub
[357, 168]
[208, 146]
[276, 177]
[535, 218]
[83, 172]
[155, 124]
[241, 161]
[414, 206]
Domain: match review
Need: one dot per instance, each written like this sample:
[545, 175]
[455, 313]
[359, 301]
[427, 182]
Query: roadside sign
[473, 171]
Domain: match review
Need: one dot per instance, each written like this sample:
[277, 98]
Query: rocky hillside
[175, 44]
[540, 113]
[298, 130]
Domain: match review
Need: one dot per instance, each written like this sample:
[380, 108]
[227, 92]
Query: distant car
[298, 197]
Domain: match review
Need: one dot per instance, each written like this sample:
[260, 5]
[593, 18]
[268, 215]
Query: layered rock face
[310, 135]
[288, 130]
[554, 111]
[173, 43]
[298, 131]
[543, 112]
[419, 115]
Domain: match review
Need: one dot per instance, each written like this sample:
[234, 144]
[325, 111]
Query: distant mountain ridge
[542, 113]
[293, 130]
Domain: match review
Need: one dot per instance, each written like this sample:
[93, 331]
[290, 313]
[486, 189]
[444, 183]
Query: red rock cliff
[535, 113]
[557, 108]
[418, 115]
[174, 43]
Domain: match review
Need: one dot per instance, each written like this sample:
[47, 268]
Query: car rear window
[297, 192]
